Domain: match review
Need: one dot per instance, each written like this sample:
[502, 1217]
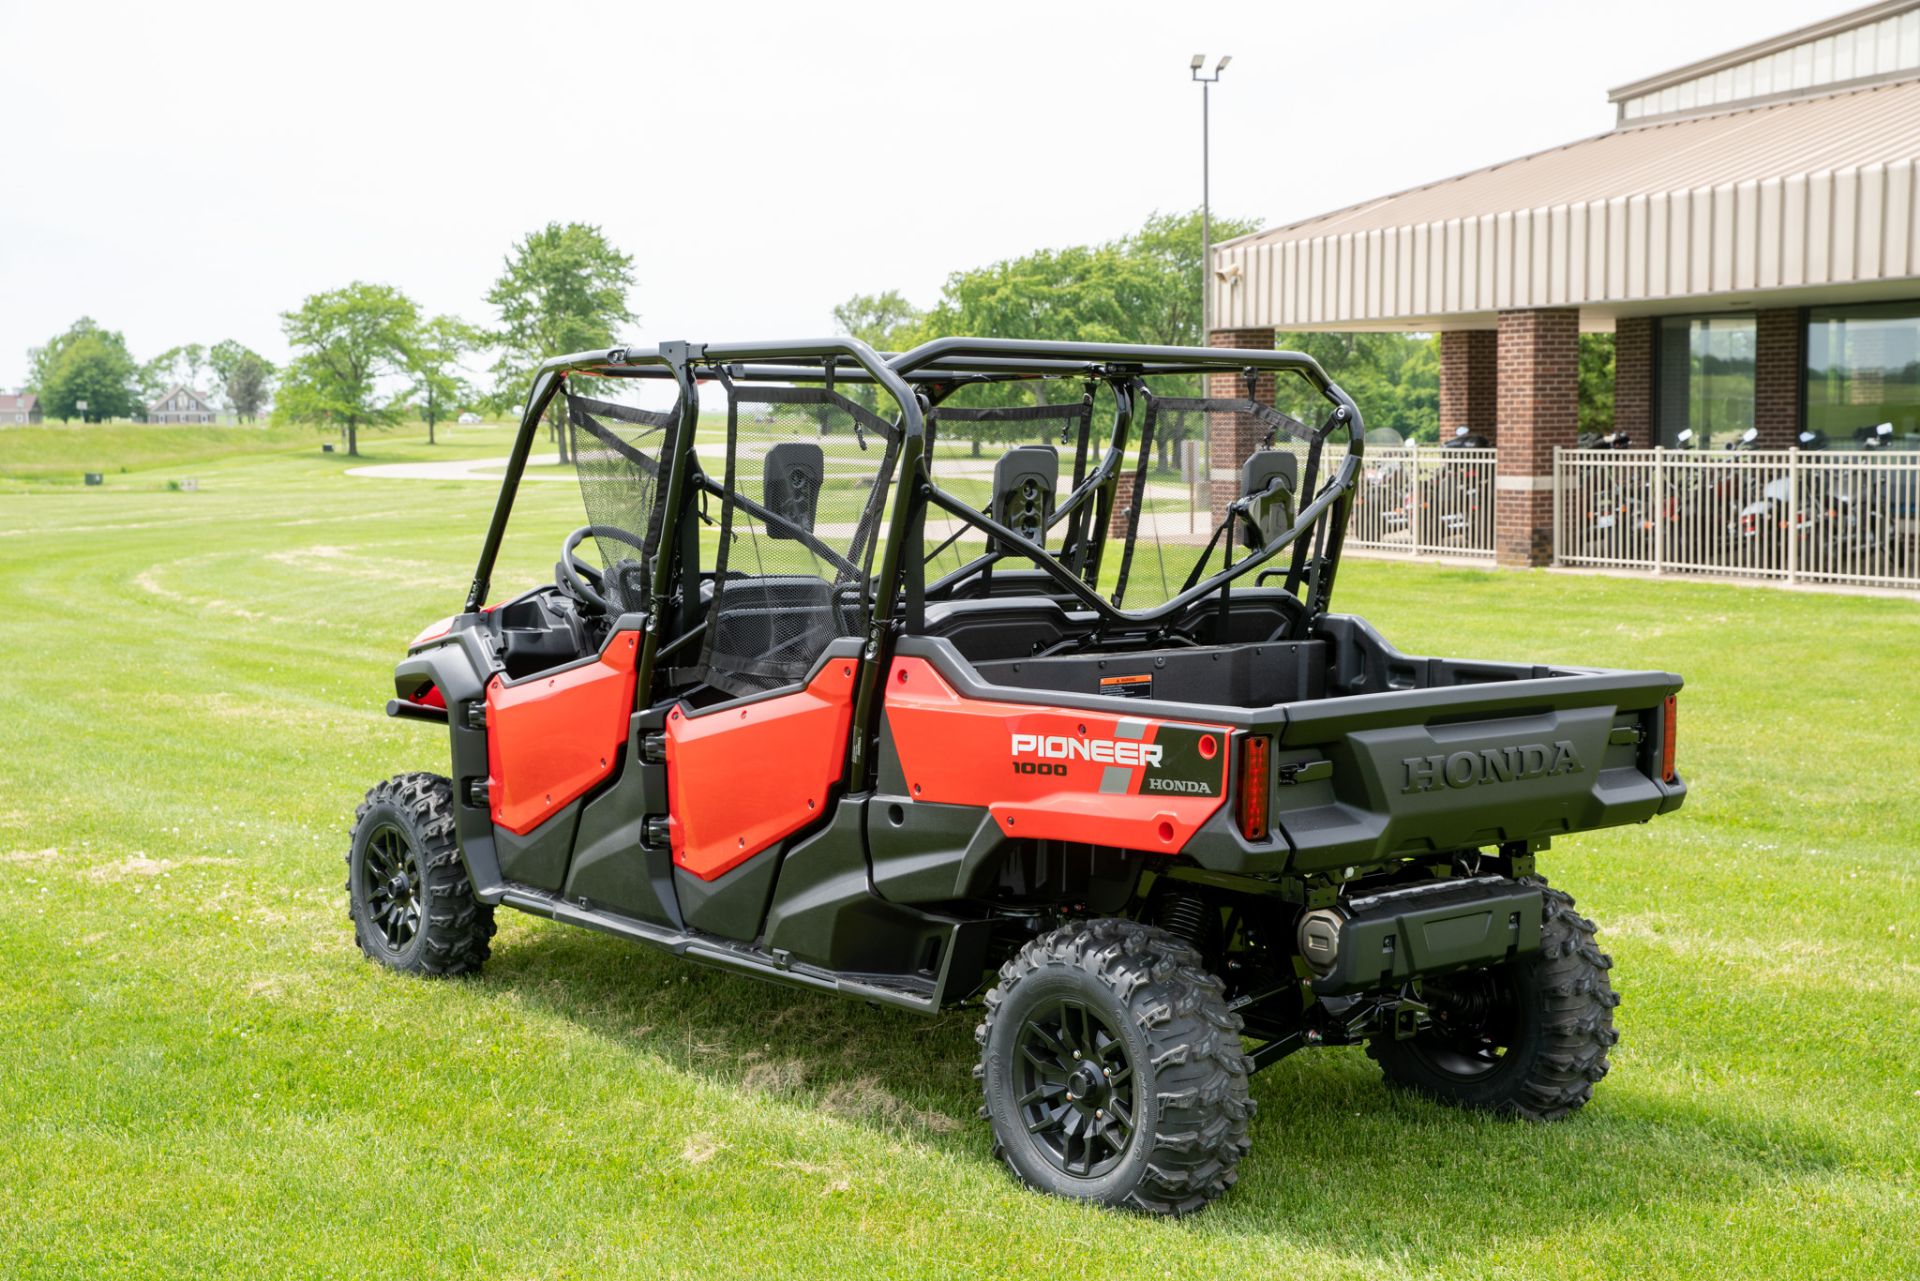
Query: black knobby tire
[1528, 1038]
[1140, 1004]
[408, 895]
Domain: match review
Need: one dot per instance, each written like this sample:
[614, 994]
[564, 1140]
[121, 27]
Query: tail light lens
[1666, 740]
[1256, 786]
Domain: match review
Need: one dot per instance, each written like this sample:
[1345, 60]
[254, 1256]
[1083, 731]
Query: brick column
[1539, 409]
[1122, 500]
[1633, 379]
[1778, 360]
[1232, 438]
[1469, 381]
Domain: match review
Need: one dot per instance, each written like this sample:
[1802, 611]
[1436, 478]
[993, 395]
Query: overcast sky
[185, 172]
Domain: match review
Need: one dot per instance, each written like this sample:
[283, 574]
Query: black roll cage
[916, 380]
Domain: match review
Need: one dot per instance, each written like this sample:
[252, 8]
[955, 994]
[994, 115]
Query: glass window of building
[1704, 378]
[1863, 369]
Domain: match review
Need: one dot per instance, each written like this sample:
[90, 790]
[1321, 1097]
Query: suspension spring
[1189, 917]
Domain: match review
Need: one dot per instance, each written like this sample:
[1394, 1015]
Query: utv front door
[551, 738]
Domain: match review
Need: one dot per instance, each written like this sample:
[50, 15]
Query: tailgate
[1408, 772]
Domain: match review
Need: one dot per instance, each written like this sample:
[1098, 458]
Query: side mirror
[1024, 481]
[792, 475]
[1267, 482]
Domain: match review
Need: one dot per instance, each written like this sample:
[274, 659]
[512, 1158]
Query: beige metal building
[1749, 230]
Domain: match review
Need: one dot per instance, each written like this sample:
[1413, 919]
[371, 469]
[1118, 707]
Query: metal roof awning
[1813, 193]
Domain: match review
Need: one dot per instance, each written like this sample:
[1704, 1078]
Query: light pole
[1206, 84]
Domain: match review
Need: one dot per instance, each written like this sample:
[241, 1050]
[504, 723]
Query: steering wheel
[583, 580]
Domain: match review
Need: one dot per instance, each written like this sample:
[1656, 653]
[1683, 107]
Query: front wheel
[1528, 1038]
[1112, 1069]
[408, 895]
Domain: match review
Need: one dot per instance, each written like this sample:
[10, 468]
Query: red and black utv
[845, 705]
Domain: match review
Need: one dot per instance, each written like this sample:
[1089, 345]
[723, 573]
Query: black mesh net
[617, 451]
[803, 493]
[951, 543]
[1171, 515]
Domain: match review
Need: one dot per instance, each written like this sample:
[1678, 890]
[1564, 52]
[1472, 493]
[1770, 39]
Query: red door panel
[1053, 773]
[550, 739]
[740, 779]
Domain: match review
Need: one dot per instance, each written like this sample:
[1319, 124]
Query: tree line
[90, 366]
[364, 355]
[1145, 288]
[1141, 288]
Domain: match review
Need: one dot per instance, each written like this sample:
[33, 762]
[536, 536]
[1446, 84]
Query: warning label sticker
[1127, 686]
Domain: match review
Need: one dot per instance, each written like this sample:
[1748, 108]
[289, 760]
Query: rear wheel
[1528, 1038]
[408, 894]
[1112, 1069]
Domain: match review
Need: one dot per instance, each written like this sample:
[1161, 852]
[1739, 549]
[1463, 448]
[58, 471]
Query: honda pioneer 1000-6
[821, 695]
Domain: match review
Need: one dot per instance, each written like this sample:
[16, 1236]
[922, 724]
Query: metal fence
[1424, 502]
[1789, 515]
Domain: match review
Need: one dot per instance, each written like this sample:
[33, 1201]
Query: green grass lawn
[199, 1076]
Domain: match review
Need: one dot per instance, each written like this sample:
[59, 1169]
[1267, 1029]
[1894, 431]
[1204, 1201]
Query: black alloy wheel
[391, 880]
[1077, 1088]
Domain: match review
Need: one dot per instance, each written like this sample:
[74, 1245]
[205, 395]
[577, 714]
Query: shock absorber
[1189, 917]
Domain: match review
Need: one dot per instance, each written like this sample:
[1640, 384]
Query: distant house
[23, 407]
[181, 404]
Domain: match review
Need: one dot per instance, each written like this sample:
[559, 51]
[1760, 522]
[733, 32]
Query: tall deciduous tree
[440, 385]
[1395, 378]
[95, 373]
[249, 385]
[244, 374]
[86, 363]
[885, 322]
[352, 346]
[563, 289]
[1141, 288]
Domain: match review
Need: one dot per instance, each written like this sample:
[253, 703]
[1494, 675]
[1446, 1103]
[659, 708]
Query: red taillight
[1666, 741]
[1256, 785]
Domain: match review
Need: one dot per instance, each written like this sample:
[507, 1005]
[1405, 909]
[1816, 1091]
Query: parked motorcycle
[1453, 504]
[1619, 516]
[1463, 495]
[1894, 491]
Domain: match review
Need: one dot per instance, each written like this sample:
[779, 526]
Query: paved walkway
[491, 469]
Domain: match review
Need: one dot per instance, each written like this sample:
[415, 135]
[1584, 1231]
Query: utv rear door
[759, 756]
